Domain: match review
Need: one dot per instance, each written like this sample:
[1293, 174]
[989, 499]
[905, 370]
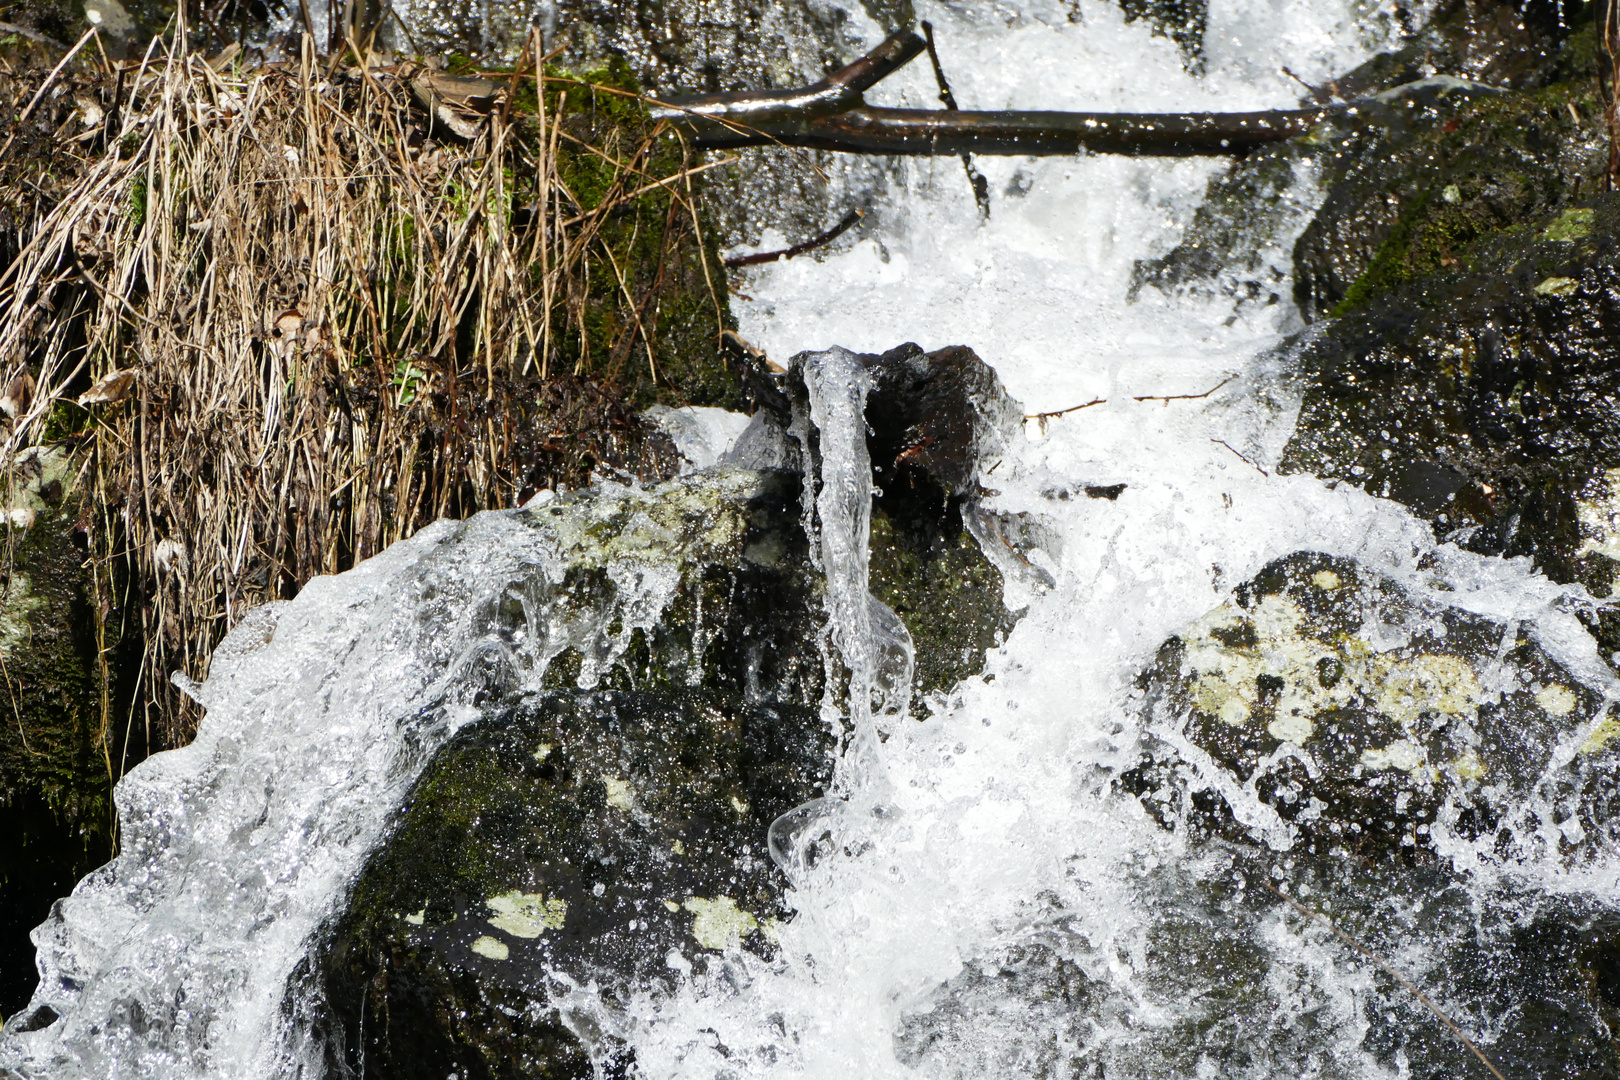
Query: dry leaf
[19, 395]
[110, 389]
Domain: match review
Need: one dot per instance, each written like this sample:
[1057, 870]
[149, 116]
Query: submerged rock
[1329, 707]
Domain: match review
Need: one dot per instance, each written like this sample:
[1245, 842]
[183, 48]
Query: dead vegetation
[289, 315]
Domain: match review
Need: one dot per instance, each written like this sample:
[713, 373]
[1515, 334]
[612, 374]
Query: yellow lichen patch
[1408, 688]
[493, 948]
[1602, 735]
[1555, 699]
[1326, 580]
[416, 918]
[739, 806]
[672, 905]
[17, 600]
[1557, 286]
[719, 922]
[1468, 767]
[1227, 667]
[1292, 728]
[678, 848]
[526, 915]
[618, 792]
[543, 751]
[1401, 754]
[1599, 518]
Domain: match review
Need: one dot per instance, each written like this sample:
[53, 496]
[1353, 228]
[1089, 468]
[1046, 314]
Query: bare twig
[1246, 461]
[1411, 988]
[738, 261]
[976, 180]
[1168, 398]
[1064, 412]
[1043, 417]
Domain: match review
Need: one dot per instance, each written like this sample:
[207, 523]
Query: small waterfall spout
[868, 639]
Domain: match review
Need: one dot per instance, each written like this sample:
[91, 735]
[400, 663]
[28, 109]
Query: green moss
[1489, 166]
[652, 284]
[946, 592]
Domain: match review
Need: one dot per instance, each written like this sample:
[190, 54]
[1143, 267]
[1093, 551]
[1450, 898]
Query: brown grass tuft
[289, 316]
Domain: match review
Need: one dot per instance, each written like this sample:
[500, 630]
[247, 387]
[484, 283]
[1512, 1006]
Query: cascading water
[991, 902]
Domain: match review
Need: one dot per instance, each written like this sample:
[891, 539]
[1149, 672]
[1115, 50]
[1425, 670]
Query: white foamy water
[1001, 844]
[1005, 846]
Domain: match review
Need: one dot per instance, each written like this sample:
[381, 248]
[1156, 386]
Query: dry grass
[304, 320]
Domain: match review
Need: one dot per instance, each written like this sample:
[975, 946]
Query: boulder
[606, 835]
[1480, 397]
[609, 829]
[1331, 709]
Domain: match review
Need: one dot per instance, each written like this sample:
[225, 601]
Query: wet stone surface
[609, 837]
[1327, 707]
[609, 828]
[1482, 398]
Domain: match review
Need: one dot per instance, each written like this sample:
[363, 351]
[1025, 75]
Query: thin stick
[738, 261]
[976, 180]
[1241, 458]
[1384, 964]
[1064, 412]
[1168, 398]
[55, 71]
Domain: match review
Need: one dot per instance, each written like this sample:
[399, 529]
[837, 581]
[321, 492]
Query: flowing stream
[991, 904]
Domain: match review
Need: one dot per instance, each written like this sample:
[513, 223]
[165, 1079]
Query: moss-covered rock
[56, 755]
[1410, 181]
[1328, 705]
[1449, 162]
[1481, 396]
[611, 829]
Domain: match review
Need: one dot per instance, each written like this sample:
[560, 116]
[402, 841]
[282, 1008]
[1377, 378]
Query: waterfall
[980, 893]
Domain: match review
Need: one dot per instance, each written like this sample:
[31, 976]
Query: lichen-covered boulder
[608, 830]
[1328, 705]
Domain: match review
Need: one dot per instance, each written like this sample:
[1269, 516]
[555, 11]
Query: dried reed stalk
[338, 325]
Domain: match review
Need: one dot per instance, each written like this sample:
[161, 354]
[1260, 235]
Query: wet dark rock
[1329, 707]
[1208, 941]
[55, 814]
[608, 836]
[613, 833]
[932, 418]
[1452, 163]
[1481, 396]
[1509, 156]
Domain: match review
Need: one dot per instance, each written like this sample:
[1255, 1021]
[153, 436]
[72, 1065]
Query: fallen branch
[832, 115]
[1411, 988]
[738, 261]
